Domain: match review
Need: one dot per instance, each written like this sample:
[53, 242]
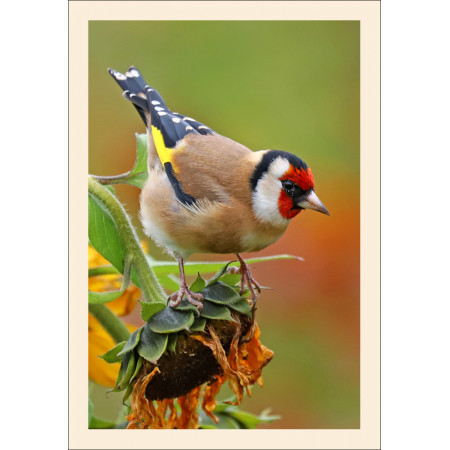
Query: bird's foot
[247, 280]
[192, 297]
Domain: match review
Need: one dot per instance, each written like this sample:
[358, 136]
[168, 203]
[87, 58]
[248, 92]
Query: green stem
[115, 179]
[151, 289]
[110, 322]
[102, 270]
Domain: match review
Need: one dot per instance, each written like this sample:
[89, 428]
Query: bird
[207, 193]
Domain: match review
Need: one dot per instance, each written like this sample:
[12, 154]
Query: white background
[415, 224]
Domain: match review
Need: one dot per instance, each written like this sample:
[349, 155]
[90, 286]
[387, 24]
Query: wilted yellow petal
[99, 340]
[95, 259]
[112, 282]
[100, 371]
[99, 343]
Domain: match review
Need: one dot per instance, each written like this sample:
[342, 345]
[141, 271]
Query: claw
[247, 279]
[192, 297]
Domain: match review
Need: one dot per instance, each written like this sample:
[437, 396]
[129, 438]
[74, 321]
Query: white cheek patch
[267, 193]
[278, 167]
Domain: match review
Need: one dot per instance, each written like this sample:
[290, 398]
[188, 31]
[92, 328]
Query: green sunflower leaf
[245, 294]
[198, 324]
[220, 293]
[127, 393]
[231, 279]
[131, 367]
[242, 306]
[172, 342]
[105, 237]
[249, 420]
[225, 422]
[186, 305]
[111, 356]
[150, 309]
[138, 174]
[103, 233]
[136, 370]
[152, 345]
[170, 320]
[214, 311]
[122, 372]
[219, 274]
[198, 285]
[132, 342]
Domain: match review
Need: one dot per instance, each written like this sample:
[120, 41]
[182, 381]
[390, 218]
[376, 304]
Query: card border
[368, 13]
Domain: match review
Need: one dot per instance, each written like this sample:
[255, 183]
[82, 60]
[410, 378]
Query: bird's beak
[311, 201]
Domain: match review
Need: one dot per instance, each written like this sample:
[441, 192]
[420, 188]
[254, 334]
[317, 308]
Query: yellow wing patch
[164, 153]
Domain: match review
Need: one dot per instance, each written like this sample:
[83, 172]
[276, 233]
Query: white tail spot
[132, 73]
[176, 120]
[155, 102]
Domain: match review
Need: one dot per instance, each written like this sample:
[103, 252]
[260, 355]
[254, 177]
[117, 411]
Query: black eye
[288, 185]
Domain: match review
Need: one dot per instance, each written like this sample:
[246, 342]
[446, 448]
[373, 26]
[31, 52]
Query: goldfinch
[206, 193]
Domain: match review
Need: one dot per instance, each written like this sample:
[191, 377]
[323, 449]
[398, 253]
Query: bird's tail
[145, 99]
[165, 128]
[135, 89]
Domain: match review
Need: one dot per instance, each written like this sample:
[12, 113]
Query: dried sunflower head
[181, 357]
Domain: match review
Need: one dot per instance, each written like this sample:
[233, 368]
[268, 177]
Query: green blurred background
[291, 85]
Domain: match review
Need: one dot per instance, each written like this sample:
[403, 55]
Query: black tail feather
[173, 126]
[134, 89]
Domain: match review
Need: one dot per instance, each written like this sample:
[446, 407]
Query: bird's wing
[199, 163]
[214, 167]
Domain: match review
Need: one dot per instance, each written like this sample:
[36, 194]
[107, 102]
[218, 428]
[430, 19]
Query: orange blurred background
[283, 85]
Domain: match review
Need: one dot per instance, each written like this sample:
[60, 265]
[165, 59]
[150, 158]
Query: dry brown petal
[160, 415]
[173, 414]
[216, 347]
[244, 363]
[209, 397]
[143, 411]
[132, 422]
[188, 404]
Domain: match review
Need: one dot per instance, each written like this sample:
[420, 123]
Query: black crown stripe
[268, 158]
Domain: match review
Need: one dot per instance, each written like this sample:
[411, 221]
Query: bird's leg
[247, 279]
[193, 297]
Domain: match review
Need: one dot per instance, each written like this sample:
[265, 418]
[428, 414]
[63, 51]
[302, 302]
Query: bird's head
[282, 186]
